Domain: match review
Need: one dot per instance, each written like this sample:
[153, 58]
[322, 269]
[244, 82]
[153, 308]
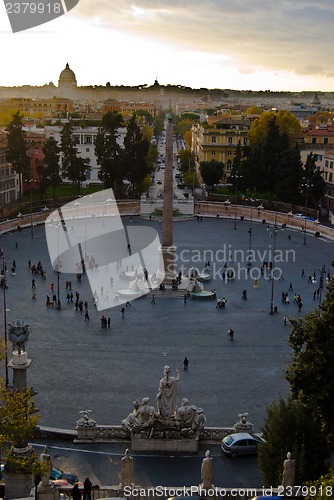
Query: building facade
[218, 139]
[9, 181]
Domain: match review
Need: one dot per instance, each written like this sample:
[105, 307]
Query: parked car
[240, 443]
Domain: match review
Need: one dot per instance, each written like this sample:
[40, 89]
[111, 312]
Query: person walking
[86, 315]
[153, 299]
[185, 364]
[231, 333]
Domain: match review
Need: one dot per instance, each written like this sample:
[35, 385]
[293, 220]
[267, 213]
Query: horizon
[224, 44]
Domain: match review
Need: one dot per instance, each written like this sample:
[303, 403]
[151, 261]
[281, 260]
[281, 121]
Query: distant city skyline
[227, 44]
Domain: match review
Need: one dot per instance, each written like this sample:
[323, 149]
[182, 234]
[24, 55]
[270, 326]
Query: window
[330, 177]
[213, 139]
[213, 153]
[229, 153]
[331, 165]
[230, 140]
[325, 140]
[229, 165]
[87, 150]
[326, 164]
[36, 151]
[314, 140]
[245, 141]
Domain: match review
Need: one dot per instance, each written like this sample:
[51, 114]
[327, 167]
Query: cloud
[282, 35]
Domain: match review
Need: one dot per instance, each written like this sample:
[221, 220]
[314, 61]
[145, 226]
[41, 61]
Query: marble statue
[167, 394]
[189, 417]
[85, 419]
[18, 334]
[207, 471]
[243, 425]
[129, 422]
[46, 459]
[289, 467]
[126, 469]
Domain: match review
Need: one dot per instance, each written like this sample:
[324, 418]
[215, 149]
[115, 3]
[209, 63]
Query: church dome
[67, 78]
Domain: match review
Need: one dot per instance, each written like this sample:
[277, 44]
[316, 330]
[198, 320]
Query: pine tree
[51, 152]
[16, 149]
[74, 167]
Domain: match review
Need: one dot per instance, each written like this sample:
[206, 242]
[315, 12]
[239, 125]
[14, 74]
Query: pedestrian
[127, 304]
[185, 298]
[86, 315]
[76, 494]
[153, 299]
[314, 294]
[231, 333]
[185, 364]
[16, 246]
[290, 288]
[87, 494]
[108, 322]
[123, 311]
[285, 320]
[300, 305]
[33, 284]
[303, 273]
[52, 286]
[29, 263]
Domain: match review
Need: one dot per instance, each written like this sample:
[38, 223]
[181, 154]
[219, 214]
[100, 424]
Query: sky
[227, 44]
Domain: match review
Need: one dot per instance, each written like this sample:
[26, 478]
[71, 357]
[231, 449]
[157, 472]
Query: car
[241, 443]
[159, 181]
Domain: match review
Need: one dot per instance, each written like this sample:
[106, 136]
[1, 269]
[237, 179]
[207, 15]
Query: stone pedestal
[19, 364]
[167, 445]
[18, 485]
[48, 492]
[85, 433]
[168, 254]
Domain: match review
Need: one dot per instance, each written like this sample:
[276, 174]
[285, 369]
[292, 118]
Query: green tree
[51, 152]
[322, 488]
[134, 154]
[16, 148]
[182, 126]
[211, 171]
[108, 152]
[187, 160]
[289, 426]
[312, 182]
[311, 371]
[285, 121]
[74, 167]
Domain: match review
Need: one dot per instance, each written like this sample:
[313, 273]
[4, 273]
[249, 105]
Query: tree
[211, 171]
[286, 122]
[16, 149]
[290, 427]
[312, 181]
[311, 370]
[322, 488]
[187, 160]
[51, 152]
[134, 154]
[74, 167]
[108, 151]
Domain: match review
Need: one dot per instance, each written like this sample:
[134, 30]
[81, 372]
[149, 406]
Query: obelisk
[168, 250]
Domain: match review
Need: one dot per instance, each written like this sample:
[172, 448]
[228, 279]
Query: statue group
[167, 421]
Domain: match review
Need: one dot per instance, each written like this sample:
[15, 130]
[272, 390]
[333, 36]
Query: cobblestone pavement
[79, 365]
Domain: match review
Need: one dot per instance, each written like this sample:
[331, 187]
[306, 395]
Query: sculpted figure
[127, 469]
[289, 467]
[145, 414]
[189, 416]
[130, 421]
[206, 471]
[45, 457]
[167, 395]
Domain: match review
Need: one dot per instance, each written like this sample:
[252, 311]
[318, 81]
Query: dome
[67, 78]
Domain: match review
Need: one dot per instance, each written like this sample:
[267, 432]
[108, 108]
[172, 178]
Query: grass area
[62, 191]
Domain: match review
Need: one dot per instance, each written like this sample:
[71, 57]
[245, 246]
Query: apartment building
[218, 138]
[9, 180]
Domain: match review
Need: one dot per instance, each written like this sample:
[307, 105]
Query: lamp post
[236, 176]
[307, 186]
[4, 284]
[272, 271]
[58, 266]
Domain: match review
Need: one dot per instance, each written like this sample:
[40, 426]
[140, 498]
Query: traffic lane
[102, 463]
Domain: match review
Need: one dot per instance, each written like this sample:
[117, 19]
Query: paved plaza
[78, 365]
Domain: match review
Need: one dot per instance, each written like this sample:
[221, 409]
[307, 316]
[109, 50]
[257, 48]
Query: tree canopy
[16, 149]
[311, 371]
[211, 171]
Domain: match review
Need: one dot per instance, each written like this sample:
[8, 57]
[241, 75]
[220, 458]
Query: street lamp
[306, 186]
[272, 271]
[4, 285]
[236, 176]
